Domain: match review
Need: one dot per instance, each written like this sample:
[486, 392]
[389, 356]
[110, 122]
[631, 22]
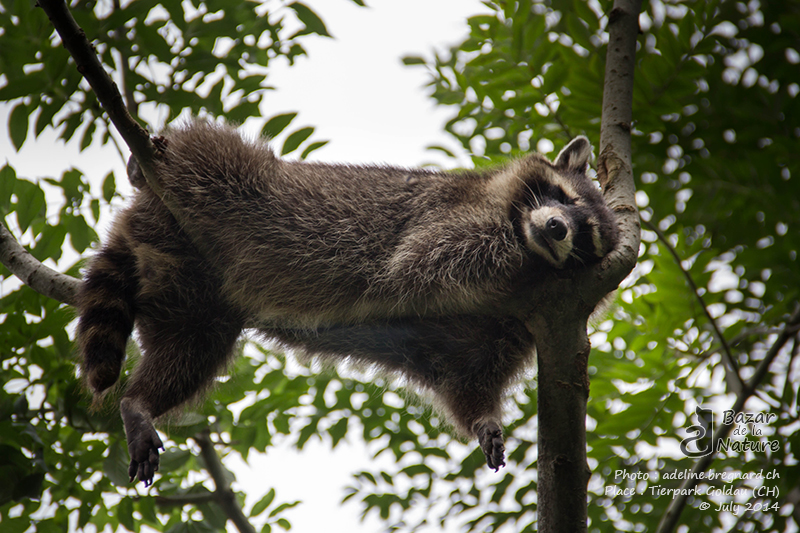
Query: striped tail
[106, 304]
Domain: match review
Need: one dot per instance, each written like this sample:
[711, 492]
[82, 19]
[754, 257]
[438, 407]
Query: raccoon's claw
[146, 469]
[143, 442]
[490, 437]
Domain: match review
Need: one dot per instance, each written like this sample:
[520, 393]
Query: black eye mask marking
[539, 193]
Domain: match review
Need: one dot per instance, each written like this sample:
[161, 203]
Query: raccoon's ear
[575, 155]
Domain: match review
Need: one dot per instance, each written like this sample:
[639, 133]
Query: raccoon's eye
[556, 228]
[561, 196]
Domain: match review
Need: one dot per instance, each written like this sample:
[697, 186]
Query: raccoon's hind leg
[466, 361]
[106, 305]
[473, 381]
[187, 334]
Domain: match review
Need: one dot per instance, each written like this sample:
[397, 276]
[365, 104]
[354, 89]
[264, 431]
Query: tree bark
[562, 394]
[35, 274]
[562, 342]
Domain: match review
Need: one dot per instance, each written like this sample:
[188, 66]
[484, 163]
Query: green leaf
[277, 124]
[442, 149]
[312, 147]
[18, 125]
[30, 203]
[311, 20]
[263, 503]
[81, 234]
[8, 179]
[125, 514]
[294, 140]
[282, 507]
[583, 11]
[174, 458]
[94, 205]
[115, 466]
[214, 516]
[414, 470]
[338, 431]
[88, 135]
[46, 115]
[413, 60]
[16, 525]
[25, 86]
[109, 187]
[579, 33]
[49, 244]
[555, 77]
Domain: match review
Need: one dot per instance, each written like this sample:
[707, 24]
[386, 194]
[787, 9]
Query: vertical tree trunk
[560, 330]
[563, 391]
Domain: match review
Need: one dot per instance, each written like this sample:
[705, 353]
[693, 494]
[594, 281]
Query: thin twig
[735, 380]
[759, 330]
[225, 496]
[185, 499]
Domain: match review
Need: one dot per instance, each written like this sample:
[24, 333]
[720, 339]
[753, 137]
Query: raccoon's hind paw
[143, 442]
[490, 437]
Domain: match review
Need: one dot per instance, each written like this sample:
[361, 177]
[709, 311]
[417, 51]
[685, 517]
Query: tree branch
[186, 499]
[225, 497]
[82, 52]
[790, 329]
[614, 166]
[34, 273]
[138, 140]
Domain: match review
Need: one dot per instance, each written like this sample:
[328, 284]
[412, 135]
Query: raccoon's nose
[556, 228]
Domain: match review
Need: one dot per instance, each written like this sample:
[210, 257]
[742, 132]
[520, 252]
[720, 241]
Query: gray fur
[401, 268]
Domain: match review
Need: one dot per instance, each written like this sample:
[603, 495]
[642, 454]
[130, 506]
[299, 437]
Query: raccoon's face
[563, 217]
[562, 232]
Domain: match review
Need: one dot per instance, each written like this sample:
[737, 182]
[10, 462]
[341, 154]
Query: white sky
[356, 92]
[355, 88]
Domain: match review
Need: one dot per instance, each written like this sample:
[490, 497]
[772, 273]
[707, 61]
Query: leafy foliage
[62, 463]
[171, 56]
[716, 107]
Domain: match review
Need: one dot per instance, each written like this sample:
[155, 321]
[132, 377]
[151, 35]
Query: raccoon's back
[305, 242]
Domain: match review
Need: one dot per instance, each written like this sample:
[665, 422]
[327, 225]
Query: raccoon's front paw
[490, 437]
[143, 442]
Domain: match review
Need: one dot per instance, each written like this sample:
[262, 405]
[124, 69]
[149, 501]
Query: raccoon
[403, 269]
